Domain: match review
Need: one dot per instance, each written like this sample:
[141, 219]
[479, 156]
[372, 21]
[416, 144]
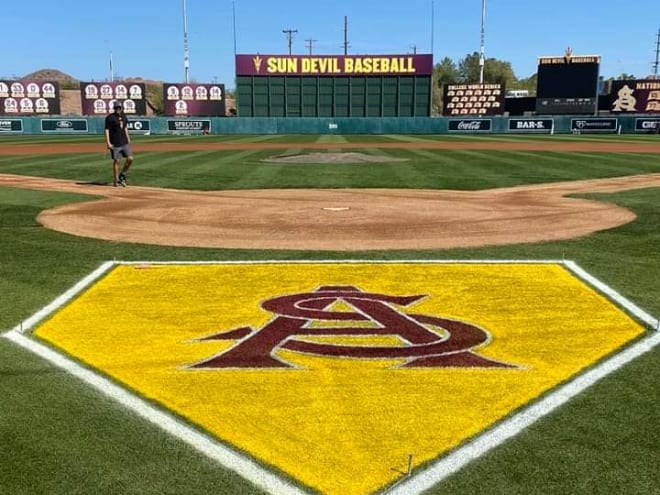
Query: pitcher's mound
[333, 158]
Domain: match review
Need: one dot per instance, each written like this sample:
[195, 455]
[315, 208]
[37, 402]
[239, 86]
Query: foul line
[257, 474]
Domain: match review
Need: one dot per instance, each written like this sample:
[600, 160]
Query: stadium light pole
[482, 60]
[186, 58]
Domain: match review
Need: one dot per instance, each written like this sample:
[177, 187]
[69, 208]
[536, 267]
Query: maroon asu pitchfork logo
[423, 347]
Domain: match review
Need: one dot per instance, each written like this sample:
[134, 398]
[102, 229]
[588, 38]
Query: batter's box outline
[416, 482]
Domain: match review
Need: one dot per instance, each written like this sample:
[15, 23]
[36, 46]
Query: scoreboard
[567, 84]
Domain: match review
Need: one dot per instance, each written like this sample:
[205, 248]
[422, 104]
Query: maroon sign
[473, 99]
[334, 65]
[296, 313]
[29, 97]
[636, 96]
[200, 100]
[98, 98]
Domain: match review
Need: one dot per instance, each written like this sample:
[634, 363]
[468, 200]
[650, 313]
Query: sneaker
[115, 183]
[123, 180]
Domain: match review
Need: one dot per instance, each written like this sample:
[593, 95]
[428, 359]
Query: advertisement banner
[98, 98]
[473, 125]
[635, 96]
[473, 99]
[205, 100]
[11, 125]
[64, 125]
[531, 125]
[651, 126]
[594, 125]
[189, 126]
[139, 126]
[29, 97]
[334, 65]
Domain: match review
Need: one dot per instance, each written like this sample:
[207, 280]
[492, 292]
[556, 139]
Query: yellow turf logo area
[336, 373]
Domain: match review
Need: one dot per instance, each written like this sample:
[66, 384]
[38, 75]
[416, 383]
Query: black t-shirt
[116, 124]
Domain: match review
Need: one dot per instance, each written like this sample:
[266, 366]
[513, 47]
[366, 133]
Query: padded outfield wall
[565, 124]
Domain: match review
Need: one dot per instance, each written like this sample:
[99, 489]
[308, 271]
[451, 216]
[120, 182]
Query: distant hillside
[51, 75]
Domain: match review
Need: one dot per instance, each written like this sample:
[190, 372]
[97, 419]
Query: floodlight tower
[186, 55]
[482, 59]
[656, 64]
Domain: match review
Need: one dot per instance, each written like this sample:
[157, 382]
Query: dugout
[333, 86]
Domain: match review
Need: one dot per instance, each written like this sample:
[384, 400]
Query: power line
[289, 34]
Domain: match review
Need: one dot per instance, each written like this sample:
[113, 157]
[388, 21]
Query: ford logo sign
[64, 124]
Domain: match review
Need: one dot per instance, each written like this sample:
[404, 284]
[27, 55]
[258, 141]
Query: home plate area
[341, 378]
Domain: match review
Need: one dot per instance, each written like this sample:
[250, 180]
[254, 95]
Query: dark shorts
[118, 151]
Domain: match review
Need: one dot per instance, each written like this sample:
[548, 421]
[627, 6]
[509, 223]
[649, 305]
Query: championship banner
[473, 99]
[29, 97]
[204, 100]
[636, 96]
[98, 98]
[11, 125]
[334, 65]
[350, 365]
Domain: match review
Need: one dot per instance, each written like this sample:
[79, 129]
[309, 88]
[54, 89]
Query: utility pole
[482, 59]
[656, 65]
[414, 49]
[289, 34]
[346, 35]
[310, 44]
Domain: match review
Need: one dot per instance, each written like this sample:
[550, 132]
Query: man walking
[118, 142]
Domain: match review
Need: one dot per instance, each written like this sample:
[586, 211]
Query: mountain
[51, 75]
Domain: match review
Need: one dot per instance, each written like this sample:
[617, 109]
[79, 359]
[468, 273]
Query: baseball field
[530, 263]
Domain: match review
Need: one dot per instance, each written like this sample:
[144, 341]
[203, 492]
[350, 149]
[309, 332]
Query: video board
[567, 84]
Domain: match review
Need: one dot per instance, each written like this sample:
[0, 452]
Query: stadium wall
[395, 125]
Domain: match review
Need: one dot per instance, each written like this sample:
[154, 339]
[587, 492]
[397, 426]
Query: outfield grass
[59, 437]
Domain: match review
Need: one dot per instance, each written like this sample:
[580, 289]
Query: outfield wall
[400, 125]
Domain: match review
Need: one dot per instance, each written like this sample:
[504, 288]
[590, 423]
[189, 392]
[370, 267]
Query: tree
[445, 72]
[495, 71]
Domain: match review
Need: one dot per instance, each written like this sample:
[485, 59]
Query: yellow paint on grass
[339, 425]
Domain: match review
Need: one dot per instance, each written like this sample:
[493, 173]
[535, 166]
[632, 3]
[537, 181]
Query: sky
[145, 37]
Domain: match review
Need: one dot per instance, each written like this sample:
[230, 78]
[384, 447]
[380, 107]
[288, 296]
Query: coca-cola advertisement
[98, 98]
[199, 100]
[470, 125]
[473, 99]
[29, 97]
